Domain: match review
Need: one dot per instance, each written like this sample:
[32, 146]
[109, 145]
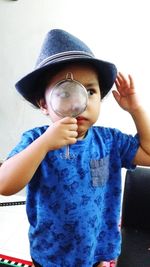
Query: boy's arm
[128, 100]
[142, 123]
[17, 171]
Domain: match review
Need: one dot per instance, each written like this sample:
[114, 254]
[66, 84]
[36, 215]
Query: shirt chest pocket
[99, 171]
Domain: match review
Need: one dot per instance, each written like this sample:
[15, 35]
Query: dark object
[136, 219]
[14, 203]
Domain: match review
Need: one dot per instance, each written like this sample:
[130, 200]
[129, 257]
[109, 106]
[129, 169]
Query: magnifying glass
[68, 98]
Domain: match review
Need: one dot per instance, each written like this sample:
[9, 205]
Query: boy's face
[87, 76]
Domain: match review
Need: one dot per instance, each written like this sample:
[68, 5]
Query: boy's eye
[90, 92]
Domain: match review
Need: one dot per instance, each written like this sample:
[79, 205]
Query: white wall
[116, 30]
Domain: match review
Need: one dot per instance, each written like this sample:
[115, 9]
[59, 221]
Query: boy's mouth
[81, 119]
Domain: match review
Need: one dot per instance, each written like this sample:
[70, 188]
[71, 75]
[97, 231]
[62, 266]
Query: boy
[73, 205]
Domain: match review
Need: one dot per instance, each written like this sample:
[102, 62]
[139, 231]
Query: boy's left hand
[125, 94]
[127, 98]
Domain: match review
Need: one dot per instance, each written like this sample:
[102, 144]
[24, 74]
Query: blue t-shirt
[73, 205]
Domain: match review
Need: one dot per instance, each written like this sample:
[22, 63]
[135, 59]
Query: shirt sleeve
[128, 146]
[26, 140]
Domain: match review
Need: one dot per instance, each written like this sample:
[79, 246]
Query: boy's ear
[43, 106]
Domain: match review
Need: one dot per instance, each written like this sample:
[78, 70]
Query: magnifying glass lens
[68, 98]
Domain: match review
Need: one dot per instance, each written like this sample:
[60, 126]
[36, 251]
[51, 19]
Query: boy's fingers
[73, 127]
[69, 120]
[131, 81]
[116, 96]
[73, 134]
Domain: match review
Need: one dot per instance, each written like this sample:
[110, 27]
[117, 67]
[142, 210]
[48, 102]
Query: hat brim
[27, 86]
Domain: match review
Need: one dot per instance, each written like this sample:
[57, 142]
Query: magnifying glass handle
[67, 152]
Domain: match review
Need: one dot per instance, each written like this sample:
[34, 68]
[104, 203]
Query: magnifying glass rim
[58, 84]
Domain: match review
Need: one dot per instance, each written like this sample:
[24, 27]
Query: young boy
[73, 204]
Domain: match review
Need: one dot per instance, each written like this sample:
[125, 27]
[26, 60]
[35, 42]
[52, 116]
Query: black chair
[136, 219]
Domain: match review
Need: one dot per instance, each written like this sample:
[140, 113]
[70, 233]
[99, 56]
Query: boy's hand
[125, 95]
[61, 133]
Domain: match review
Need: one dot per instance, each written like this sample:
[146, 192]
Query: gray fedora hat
[61, 47]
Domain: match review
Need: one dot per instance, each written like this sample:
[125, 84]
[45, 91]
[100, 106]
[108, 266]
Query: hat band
[64, 55]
